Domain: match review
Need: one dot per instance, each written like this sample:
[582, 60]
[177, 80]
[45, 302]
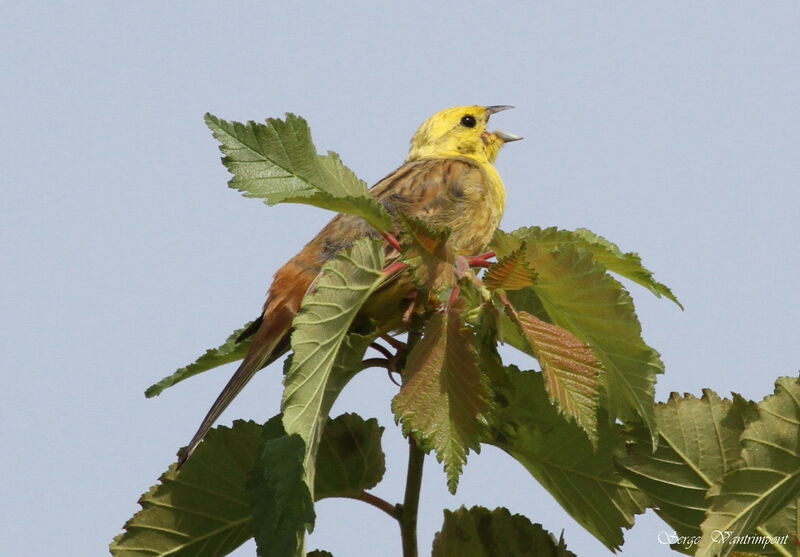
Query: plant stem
[377, 502]
[410, 507]
[409, 510]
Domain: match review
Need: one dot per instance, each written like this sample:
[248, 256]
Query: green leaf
[320, 328]
[444, 398]
[571, 370]
[278, 162]
[350, 458]
[201, 511]
[207, 508]
[781, 533]
[229, 351]
[698, 443]
[479, 532]
[281, 502]
[556, 451]
[349, 461]
[573, 291]
[768, 480]
[628, 265]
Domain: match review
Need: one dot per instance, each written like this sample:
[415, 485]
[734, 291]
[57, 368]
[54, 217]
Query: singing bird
[447, 180]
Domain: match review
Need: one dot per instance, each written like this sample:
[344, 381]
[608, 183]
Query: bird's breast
[473, 228]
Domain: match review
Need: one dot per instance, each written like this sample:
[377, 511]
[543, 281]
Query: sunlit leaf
[428, 253]
[444, 398]
[277, 161]
[320, 328]
[628, 265]
[575, 292]
[479, 532]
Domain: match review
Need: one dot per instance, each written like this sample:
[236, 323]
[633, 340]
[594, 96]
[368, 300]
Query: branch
[378, 503]
[410, 506]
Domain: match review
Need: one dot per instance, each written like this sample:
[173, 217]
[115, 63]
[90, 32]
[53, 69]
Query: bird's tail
[269, 342]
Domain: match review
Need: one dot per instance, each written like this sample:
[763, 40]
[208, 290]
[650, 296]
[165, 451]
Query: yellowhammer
[447, 180]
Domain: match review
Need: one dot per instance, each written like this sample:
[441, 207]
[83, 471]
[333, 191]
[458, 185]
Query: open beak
[497, 108]
[505, 137]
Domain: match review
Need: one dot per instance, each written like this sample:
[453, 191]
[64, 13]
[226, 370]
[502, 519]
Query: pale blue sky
[672, 129]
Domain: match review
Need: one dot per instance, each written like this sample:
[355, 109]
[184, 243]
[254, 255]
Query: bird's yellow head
[459, 132]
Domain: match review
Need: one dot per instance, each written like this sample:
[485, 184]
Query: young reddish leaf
[444, 397]
[428, 254]
[570, 368]
[510, 273]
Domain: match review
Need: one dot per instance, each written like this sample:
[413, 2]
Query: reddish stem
[394, 267]
[391, 240]
[480, 260]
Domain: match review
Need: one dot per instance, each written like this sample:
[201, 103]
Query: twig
[375, 362]
[382, 349]
[396, 344]
[378, 503]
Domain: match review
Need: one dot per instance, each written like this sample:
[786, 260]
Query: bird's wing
[433, 190]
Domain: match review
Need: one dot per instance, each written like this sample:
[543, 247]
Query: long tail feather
[269, 343]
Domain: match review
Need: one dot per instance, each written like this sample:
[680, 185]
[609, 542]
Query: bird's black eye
[468, 121]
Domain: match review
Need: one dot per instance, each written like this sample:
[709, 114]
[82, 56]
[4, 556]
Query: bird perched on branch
[447, 180]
